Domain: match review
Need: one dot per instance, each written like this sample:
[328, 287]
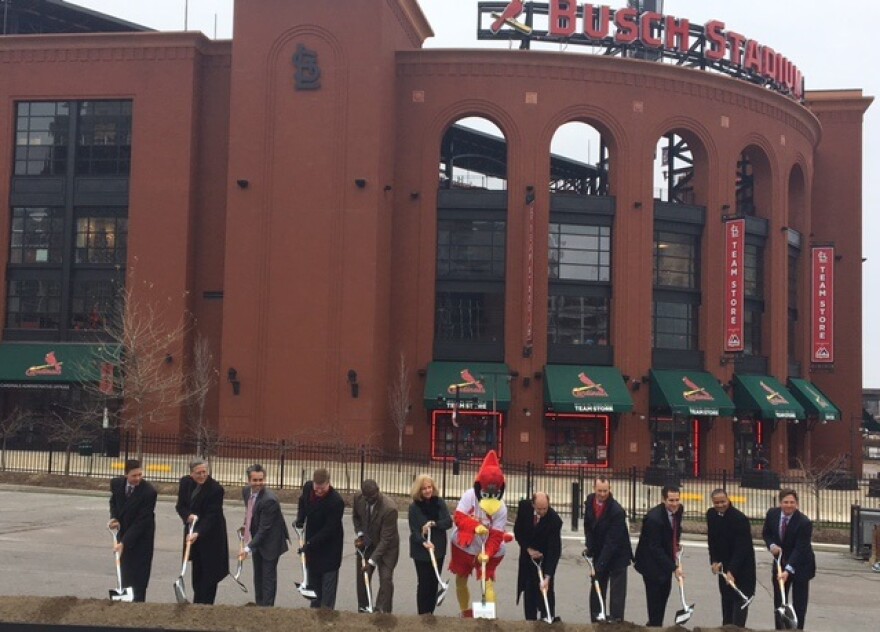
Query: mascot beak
[490, 505]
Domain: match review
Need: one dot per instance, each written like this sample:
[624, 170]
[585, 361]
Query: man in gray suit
[375, 522]
[265, 534]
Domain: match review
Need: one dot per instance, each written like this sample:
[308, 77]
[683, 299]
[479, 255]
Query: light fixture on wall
[232, 378]
[360, 183]
[242, 183]
[353, 382]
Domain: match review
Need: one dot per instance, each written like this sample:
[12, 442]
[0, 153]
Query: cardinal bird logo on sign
[508, 16]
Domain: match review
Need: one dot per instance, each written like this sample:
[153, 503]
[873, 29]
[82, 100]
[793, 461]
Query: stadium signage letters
[733, 308]
[822, 351]
[708, 46]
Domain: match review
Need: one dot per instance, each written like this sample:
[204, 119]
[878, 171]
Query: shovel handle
[188, 546]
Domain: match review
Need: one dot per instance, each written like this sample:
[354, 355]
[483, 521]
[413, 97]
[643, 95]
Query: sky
[840, 59]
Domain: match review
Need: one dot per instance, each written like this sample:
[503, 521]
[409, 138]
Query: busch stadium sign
[641, 34]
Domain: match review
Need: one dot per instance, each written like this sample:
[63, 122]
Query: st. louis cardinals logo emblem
[508, 16]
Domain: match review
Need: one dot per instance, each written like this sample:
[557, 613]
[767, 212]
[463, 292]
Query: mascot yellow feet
[463, 594]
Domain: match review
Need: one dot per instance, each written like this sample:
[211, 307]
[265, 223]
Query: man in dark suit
[731, 555]
[200, 496]
[133, 513]
[606, 538]
[657, 552]
[320, 510]
[788, 535]
[265, 534]
[375, 522]
[538, 531]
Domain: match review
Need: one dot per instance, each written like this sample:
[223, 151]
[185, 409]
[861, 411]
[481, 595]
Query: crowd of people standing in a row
[537, 529]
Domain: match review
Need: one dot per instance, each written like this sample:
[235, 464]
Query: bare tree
[826, 474]
[144, 377]
[200, 379]
[399, 403]
[10, 426]
[70, 428]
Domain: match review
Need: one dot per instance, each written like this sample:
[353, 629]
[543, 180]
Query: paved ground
[54, 543]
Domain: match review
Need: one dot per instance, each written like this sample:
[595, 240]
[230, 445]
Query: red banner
[528, 337]
[106, 385]
[734, 246]
[822, 305]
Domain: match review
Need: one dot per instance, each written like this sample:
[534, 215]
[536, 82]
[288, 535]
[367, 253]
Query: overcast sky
[842, 58]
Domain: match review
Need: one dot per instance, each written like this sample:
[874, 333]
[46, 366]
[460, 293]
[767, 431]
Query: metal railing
[289, 464]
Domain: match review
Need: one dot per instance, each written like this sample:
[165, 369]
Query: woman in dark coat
[427, 510]
[200, 496]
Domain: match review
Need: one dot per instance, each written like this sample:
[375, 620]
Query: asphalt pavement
[55, 543]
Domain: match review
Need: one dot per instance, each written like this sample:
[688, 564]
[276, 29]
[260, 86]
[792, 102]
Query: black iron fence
[826, 499]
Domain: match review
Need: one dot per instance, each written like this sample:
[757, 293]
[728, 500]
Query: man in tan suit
[375, 522]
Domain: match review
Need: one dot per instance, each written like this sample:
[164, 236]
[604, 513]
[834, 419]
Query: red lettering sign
[667, 34]
[735, 234]
[822, 350]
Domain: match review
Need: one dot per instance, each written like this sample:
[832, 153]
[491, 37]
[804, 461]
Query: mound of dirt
[94, 612]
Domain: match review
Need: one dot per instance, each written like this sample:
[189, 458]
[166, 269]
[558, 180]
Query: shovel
[482, 609]
[235, 577]
[785, 611]
[684, 615]
[601, 617]
[303, 587]
[548, 616]
[732, 584]
[179, 586]
[369, 607]
[442, 587]
[119, 593]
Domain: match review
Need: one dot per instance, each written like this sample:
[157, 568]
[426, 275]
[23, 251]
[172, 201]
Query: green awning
[585, 389]
[478, 385]
[53, 362]
[689, 393]
[816, 405]
[764, 397]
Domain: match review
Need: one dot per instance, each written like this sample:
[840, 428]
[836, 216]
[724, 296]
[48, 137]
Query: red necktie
[536, 519]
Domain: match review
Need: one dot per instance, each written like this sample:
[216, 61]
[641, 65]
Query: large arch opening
[679, 185]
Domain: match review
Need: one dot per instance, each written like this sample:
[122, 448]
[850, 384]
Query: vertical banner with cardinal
[822, 305]
[734, 232]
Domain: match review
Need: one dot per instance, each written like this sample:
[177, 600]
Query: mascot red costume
[480, 517]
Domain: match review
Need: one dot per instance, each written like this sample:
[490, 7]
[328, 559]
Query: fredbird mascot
[481, 515]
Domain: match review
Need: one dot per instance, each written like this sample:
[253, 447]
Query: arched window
[471, 243]
[579, 247]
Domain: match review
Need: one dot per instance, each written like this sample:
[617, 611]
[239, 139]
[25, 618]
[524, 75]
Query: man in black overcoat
[538, 531]
[200, 496]
[606, 537]
[788, 535]
[265, 534]
[320, 509]
[657, 552]
[133, 513]
[731, 555]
